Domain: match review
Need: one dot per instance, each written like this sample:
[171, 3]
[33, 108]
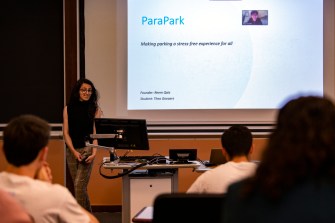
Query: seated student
[11, 210]
[27, 176]
[295, 182]
[237, 144]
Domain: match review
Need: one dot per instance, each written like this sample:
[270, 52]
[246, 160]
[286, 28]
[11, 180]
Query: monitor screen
[128, 133]
[182, 155]
[222, 54]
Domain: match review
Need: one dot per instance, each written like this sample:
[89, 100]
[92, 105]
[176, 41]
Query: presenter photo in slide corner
[254, 17]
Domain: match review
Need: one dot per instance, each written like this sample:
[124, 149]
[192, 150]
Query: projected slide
[203, 54]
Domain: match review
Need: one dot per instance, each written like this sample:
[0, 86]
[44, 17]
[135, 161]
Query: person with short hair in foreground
[28, 177]
[295, 180]
[237, 146]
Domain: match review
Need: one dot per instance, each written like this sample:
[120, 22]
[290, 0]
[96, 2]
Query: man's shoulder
[18, 182]
[245, 164]
[54, 189]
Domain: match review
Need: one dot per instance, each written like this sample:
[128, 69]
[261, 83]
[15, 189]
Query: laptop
[217, 157]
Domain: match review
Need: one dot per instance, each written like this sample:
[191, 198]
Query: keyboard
[132, 159]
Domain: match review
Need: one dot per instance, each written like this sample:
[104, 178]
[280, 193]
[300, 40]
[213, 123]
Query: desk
[140, 188]
[203, 168]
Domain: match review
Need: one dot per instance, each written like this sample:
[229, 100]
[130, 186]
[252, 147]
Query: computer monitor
[182, 155]
[128, 134]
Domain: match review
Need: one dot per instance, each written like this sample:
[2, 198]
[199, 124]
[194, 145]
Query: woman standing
[78, 124]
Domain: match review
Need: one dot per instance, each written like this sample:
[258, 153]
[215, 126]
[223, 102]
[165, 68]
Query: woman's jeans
[80, 173]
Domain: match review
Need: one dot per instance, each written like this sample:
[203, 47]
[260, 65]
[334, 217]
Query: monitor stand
[182, 161]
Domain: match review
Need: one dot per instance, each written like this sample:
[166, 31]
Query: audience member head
[301, 148]
[237, 141]
[23, 138]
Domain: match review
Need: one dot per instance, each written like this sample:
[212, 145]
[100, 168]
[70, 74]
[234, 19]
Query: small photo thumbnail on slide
[254, 17]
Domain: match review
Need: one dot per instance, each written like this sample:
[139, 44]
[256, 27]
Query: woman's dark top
[80, 124]
[307, 202]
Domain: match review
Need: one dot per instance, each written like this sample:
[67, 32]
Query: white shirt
[44, 201]
[219, 178]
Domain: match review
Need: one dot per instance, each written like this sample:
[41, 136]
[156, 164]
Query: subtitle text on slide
[171, 44]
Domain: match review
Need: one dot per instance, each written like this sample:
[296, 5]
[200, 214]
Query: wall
[32, 62]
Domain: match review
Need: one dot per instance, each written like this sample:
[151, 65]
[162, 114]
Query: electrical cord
[120, 174]
[201, 161]
[156, 160]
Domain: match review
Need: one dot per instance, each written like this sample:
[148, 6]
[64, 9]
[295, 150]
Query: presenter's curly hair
[301, 148]
[93, 101]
